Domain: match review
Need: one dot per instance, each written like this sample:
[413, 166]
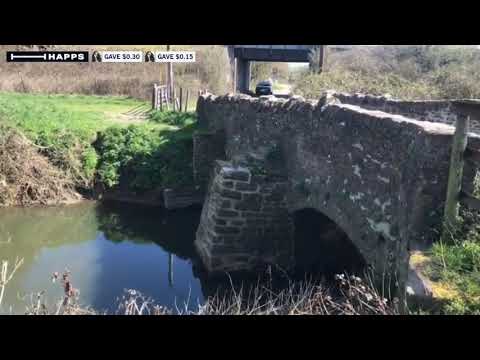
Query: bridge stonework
[245, 221]
[380, 177]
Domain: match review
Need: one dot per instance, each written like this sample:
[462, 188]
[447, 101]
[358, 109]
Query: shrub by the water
[142, 157]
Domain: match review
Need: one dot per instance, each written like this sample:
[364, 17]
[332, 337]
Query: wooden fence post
[181, 99]
[186, 100]
[154, 97]
[455, 175]
[161, 98]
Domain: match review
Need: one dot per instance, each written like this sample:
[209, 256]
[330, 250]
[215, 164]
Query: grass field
[81, 114]
[67, 126]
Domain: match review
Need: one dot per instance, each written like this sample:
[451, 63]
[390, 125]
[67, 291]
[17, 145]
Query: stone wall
[381, 177]
[245, 223]
[208, 146]
[423, 110]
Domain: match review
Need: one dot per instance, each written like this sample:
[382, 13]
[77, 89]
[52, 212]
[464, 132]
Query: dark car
[264, 88]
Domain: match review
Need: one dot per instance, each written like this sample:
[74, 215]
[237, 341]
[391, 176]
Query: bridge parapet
[442, 111]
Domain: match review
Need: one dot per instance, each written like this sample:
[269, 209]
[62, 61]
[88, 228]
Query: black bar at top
[47, 56]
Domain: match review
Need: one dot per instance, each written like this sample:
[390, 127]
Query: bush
[141, 157]
[312, 85]
[172, 118]
[408, 72]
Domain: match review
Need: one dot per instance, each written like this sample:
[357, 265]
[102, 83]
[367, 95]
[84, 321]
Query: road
[282, 90]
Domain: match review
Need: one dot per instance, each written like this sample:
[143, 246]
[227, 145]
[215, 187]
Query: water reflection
[108, 248]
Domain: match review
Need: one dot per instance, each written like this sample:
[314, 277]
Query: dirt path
[135, 115]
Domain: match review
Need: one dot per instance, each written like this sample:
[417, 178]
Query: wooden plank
[181, 100]
[455, 175]
[171, 82]
[472, 156]
[154, 97]
[162, 91]
[469, 200]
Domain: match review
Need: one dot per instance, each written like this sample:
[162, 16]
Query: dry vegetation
[349, 296]
[130, 79]
[403, 71]
[27, 177]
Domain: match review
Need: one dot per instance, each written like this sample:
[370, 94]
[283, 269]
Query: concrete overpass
[241, 57]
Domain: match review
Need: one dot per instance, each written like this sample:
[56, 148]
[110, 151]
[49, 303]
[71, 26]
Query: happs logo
[47, 56]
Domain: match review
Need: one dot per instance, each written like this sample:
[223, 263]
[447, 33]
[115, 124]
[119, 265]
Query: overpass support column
[243, 73]
[317, 59]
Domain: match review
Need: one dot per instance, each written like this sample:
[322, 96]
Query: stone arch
[356, 237]
[322, 246]
[384, 258]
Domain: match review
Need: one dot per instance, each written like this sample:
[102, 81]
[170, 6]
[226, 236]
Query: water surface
[110, 248]
[107, 248]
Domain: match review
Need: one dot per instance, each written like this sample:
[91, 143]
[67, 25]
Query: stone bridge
[376, 167]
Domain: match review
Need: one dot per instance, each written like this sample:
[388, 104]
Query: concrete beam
[274, 55]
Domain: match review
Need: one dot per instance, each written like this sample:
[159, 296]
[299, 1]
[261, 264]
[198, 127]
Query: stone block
[239, 174]
[237, 222]
[225, 204]
[242, 186]
[231, 194]
[227, 213]
[226, 230]
[218, 221]
[250, 202]
[228, 184]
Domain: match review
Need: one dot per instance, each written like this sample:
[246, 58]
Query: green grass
[66, 126]
[455, 268]
[145, 157]
[172, 118]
